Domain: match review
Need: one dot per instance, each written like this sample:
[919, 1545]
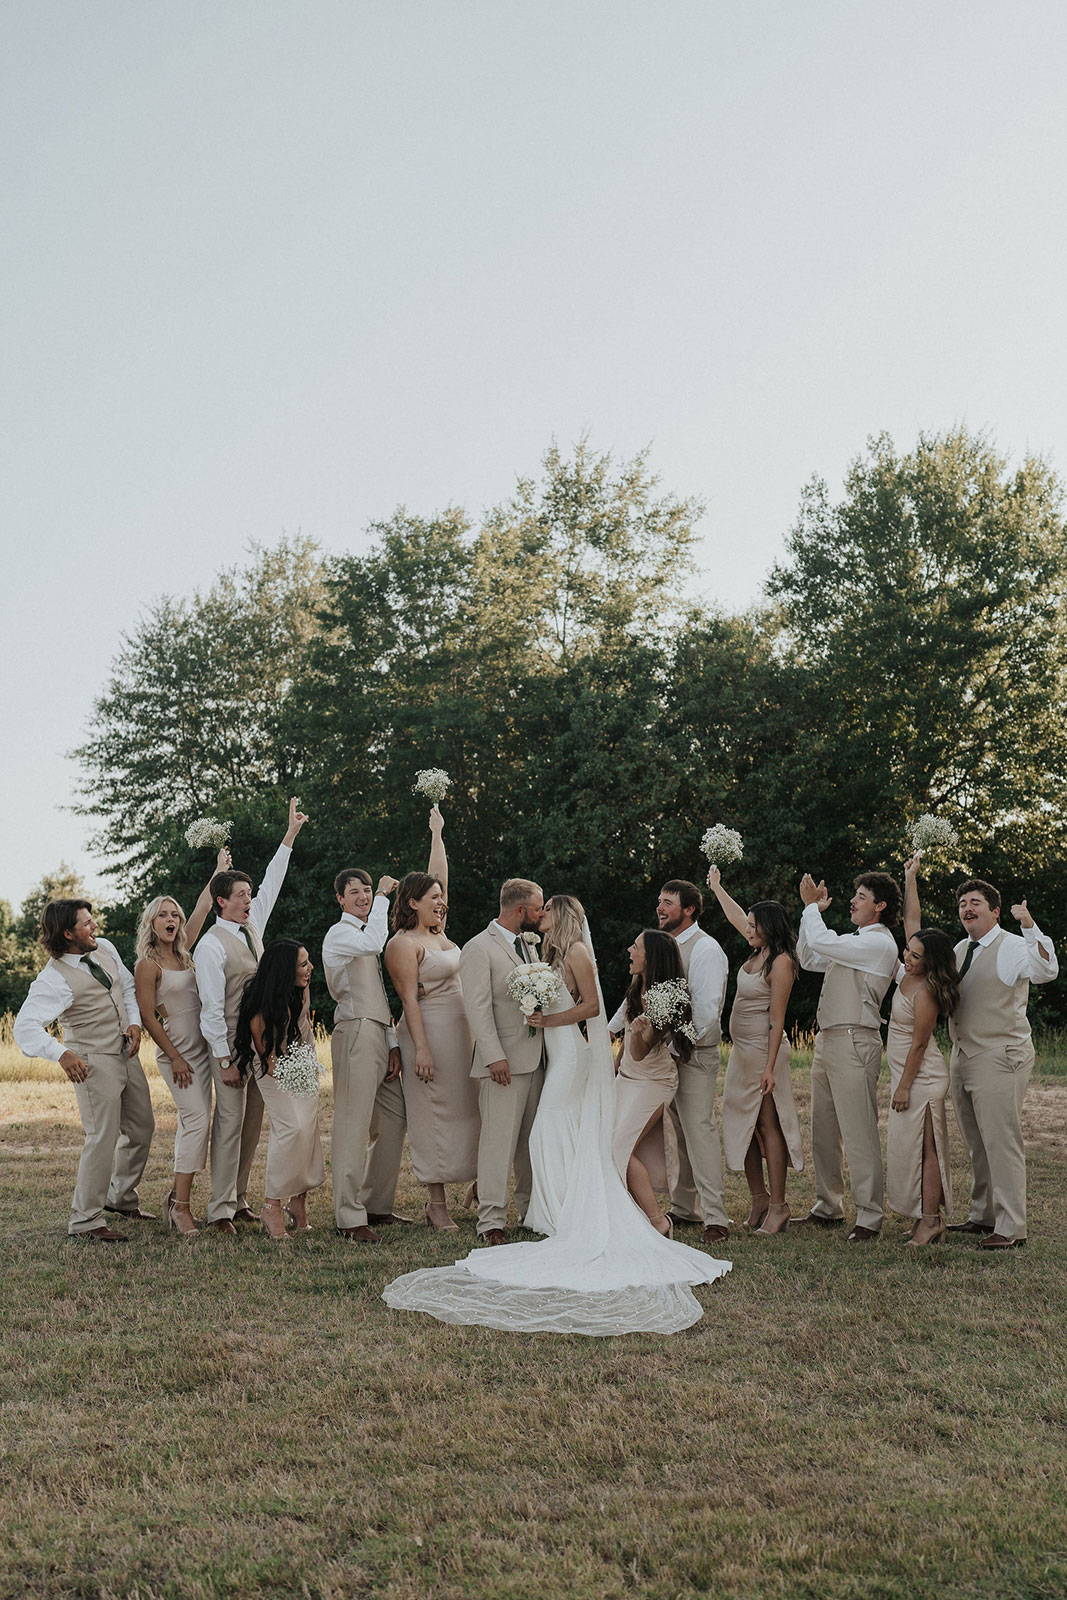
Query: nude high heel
[180, 1218]
[441, 1227]
[273, 1222]
[776, 1220]
[936, 1225]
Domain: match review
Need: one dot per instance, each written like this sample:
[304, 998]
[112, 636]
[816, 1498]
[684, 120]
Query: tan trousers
[235, 1130]
[988, 1093]
[697, 1196]
[368, 1123]
[507, 1111]
[116, 1114]
[844, 1112]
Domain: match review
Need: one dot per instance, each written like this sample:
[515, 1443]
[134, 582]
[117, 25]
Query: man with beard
[508, 1057]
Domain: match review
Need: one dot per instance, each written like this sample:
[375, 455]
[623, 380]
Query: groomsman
[859, 968]
[225, 958]
[507, 1062]
[85, 985]
[368, 1101]
[698, 1194]
[993, 1057]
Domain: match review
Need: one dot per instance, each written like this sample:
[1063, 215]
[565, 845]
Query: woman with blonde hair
[554, 1135]
[170, 1013]
[440, 1096]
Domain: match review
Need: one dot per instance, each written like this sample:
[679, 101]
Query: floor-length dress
[605, 1271]
[294, 1148]
[929, 1091]
[554, 1135]
[178, 1004]
[443, 1121]
[750, 1027]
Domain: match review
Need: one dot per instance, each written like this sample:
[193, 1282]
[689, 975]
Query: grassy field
[227, 1419]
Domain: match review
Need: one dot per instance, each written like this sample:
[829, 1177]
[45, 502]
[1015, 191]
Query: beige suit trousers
[988, 1093]
[235, 1129]
[368, 1127]
[844, 1112]
[116, 1114]
[698, 1196]
[507, 1111]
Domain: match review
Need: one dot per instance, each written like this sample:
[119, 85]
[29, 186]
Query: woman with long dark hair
[928, 987]
[644, 1146]
[759, 1119]
[275, 1019]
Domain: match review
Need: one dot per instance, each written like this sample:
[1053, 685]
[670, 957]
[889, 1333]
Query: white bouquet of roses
[533, 985]
[207, 833]
[298, 1070]
[433, 783]
[722, 845]
[933, 833]
[666, 1004]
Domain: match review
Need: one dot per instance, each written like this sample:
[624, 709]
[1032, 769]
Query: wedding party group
[506, 1074]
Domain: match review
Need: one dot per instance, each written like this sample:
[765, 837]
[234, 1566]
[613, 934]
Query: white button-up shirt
[350, 937]
[708, 972]
[209, 957]
[872, 949]
[50, 996]
[1018, 955]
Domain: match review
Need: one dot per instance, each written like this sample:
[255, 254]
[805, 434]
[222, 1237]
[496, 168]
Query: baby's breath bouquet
[533, 985]
[433, 783]
[668, 1005]
[933, 834]
[298, 1070]
[722, 845]
[207, 833]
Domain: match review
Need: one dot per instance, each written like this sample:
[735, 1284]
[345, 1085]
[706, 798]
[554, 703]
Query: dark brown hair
[412, 887]
[662, 961]
[690, 897]
[942, 976]
[222, 886]
[884, 888]
[343, 879]
[57, 919]
[979, 886]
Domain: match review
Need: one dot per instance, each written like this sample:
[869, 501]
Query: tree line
[906, 656]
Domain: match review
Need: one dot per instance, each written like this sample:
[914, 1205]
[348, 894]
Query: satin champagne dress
[750, 1027]
[443, 1120]
[641, 1088]
[929, 1091]
[178, 1004]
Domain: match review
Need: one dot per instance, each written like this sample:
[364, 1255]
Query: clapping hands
[814, 894]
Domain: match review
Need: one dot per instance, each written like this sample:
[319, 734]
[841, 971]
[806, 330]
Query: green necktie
[97, 971]
[969, 957]
[247, 937]
[520, 948]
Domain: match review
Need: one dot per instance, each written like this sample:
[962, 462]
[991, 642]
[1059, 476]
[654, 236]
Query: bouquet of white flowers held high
[722, 845]
[298, 1070]
[207, 833]
[433, 783]
[533, 985]
[933, 833]
[668, 1005]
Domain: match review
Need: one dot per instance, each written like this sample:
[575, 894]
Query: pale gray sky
[279, 265]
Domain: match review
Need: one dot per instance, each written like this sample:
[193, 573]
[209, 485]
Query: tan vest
[851, 999]
[992, 1014]
[712, 1035]
[96, 1021]
[239, 966]
[366, 995]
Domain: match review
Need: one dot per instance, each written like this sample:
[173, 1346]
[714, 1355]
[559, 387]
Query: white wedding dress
[605, 1269]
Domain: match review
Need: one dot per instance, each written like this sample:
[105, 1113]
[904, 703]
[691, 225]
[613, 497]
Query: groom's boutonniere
[531, 938]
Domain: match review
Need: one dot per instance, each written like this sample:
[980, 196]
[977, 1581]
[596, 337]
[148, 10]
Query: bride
[604, 1269]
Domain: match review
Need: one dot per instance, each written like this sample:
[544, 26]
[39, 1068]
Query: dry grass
[185, 1422]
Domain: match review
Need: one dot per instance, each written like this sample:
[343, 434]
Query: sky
[278, 266]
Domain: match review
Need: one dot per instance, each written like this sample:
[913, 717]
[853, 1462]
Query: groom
[507, 1062]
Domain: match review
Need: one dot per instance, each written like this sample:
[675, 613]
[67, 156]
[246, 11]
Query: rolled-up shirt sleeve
[209, 960]
[873, 949]
[49, 996]
[270, 888]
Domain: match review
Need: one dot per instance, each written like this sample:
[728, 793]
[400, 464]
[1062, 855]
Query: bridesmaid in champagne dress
[759, 1119]
[440, 1095]
[169, 1003]
[644, 1148]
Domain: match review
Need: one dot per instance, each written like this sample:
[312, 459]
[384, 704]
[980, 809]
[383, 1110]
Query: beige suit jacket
[498, 1027]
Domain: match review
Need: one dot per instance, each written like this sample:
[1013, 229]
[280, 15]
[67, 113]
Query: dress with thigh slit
[750, 1027]
[904, 1143]
[643, 1087]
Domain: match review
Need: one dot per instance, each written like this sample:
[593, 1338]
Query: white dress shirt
[708, 972]
[50, 995]
[1018, 955]
[209, 957]
[350, 937]
[871, 949]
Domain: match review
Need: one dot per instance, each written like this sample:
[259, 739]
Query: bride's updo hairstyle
[414, 887]
[565, 924]
[662, 962]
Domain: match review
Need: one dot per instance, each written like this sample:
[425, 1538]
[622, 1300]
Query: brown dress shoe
[999, 1241]
[136, 1215]
[385, 1219]
[362, 1235]
[223, 1225]
[246, 1214]
[714, 1233]
[970, 1227]
[494, 1236]
[101, 1235]
[863, 1235]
